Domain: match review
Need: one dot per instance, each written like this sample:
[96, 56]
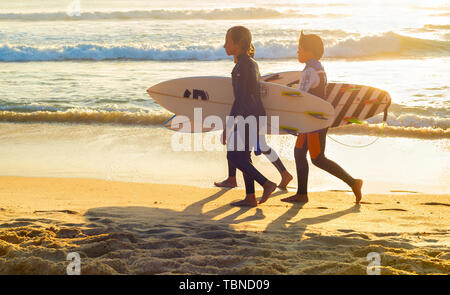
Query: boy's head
[309, 47]
[237, 40]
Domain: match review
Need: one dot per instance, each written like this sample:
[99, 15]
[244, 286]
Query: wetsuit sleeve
[310, 79]
[240, 87]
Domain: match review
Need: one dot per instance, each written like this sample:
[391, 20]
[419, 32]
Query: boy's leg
[231, 180]
[231, 169]
[273, 157]
[250, 199]
[316, 146]
[301, 163]
[242, 161]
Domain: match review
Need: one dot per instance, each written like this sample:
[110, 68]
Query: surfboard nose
[152, 88]
[159, 87]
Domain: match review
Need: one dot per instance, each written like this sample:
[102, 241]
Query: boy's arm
[240, 88]
[310, 79]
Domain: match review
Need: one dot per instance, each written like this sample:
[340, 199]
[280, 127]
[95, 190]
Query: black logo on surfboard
[196, 94]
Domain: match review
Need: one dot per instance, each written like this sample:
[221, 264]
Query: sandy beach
[143, 228]
[89, 167]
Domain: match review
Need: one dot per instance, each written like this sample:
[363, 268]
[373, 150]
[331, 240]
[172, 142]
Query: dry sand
[141, 228]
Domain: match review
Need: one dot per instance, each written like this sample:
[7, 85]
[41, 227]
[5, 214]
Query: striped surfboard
[352, 103]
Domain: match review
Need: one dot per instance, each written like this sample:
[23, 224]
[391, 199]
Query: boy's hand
[223, 138]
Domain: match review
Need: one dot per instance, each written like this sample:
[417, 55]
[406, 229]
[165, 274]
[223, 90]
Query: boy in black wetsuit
[314, 81]
[247, 105]
[273, 157]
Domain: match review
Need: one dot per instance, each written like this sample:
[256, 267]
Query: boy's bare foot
[249, 201]
[356, 188]
[268, 187]
[296, 199]
[229, 182]
[286, 177]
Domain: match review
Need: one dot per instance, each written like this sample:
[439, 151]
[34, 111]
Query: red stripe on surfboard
[362, 104]
[345, 108]
[375, 105]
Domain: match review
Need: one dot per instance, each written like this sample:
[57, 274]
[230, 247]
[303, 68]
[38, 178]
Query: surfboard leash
[385, 114]
[359, 146]
[165, 123]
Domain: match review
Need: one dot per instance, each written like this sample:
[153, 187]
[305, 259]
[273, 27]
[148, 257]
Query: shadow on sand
[192, 241]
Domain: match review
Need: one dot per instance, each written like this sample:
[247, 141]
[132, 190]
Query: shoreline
[143, 228]
[70, 150]
[291, 187]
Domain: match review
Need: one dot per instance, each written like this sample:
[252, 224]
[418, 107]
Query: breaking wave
[402, 126]
[386, 45]
[159, 14]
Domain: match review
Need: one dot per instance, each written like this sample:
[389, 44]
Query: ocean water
[87, 64]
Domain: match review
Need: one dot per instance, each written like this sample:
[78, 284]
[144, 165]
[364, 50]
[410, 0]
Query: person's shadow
[150, 240]
[233, 217]
[282, 224]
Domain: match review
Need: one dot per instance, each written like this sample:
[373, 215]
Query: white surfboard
[297, 111]
[352, 103]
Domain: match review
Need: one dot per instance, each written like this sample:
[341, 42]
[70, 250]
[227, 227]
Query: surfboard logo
[196, 94]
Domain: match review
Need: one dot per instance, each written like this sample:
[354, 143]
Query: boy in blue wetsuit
[247, 105]
[286, 177]
[314, 81]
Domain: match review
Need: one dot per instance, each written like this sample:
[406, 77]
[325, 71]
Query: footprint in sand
[435, 204]
[57, 211]
[369, 203]
[346, 230]
[393, 209]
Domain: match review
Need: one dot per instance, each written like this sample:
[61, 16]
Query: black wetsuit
[247, 102]
[314, 81]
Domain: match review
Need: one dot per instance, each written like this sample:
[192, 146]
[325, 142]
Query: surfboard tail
[388, 104]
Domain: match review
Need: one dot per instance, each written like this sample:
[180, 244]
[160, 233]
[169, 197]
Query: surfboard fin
[292, 93]
[353, 120]
[317, 115]
[293, 83]
[290, 130]
[271, 77]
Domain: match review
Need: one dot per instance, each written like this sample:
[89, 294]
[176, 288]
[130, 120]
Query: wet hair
[313, 43]
[242, 36]
[251, 51]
